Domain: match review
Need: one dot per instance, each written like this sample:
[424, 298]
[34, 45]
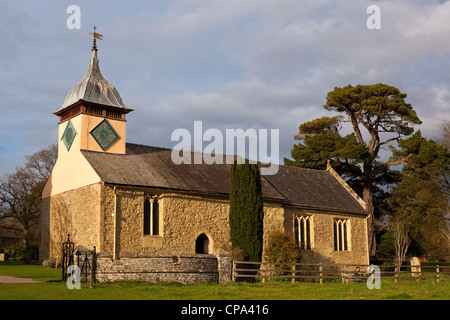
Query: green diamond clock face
[68, 135]
[104, 134]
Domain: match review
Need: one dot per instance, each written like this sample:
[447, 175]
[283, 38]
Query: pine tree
[378, 115]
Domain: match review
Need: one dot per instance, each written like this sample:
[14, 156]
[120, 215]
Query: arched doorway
[202, 244]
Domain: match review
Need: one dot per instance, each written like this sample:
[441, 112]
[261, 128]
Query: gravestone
[415, 267]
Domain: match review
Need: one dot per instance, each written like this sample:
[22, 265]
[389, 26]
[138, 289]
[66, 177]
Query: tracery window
[341, 234]
[303, 231]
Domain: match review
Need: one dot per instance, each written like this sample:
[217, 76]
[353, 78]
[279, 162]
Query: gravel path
[8, 279]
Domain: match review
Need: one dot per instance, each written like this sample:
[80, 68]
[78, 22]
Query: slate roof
[314, 189]
[148, 166]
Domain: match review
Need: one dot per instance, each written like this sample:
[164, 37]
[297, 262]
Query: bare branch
[401, 238]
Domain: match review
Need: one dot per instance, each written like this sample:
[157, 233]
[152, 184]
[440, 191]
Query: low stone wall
[184, 268]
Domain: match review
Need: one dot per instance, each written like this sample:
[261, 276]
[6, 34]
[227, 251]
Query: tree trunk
[26, 235]
[401, 239]
[368, 200]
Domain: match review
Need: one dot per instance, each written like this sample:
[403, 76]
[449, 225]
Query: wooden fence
[265, 271]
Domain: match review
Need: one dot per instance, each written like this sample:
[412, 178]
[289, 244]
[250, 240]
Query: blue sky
[232, 64]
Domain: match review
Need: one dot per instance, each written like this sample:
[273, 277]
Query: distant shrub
[282, 248]
[19, 252]
[237, 254]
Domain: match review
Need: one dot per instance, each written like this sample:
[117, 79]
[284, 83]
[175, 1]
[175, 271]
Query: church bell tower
[92, 116]
[91, 119]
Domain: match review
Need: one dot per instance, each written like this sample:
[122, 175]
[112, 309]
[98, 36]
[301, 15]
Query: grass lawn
[52, 288]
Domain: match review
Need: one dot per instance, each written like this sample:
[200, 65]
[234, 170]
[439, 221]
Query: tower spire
[94, 88]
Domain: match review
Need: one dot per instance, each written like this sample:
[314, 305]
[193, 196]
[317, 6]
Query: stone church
[128, 199]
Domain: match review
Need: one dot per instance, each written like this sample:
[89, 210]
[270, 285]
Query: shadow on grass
[400, 296]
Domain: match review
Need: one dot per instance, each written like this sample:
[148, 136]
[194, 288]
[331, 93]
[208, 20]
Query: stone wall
[182, 218]
[322, 234]
[153, 267]
[74, 212]
[274, 220]
[186, 216]
[111, 218]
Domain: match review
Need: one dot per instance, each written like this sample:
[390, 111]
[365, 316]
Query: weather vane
[96, 36]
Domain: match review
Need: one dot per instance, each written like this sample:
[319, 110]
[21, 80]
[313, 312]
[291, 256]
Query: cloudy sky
[230, 63]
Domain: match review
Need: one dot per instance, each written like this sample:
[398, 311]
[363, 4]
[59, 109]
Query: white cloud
[236, 64]
[292, 55]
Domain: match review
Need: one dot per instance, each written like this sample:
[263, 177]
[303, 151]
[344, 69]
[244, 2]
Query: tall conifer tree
[246, 210]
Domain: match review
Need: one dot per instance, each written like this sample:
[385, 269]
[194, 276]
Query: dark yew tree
[246, 210]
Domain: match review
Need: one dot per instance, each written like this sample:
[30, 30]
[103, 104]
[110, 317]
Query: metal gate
[86, 261]
[67, 256]
[83, 258]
